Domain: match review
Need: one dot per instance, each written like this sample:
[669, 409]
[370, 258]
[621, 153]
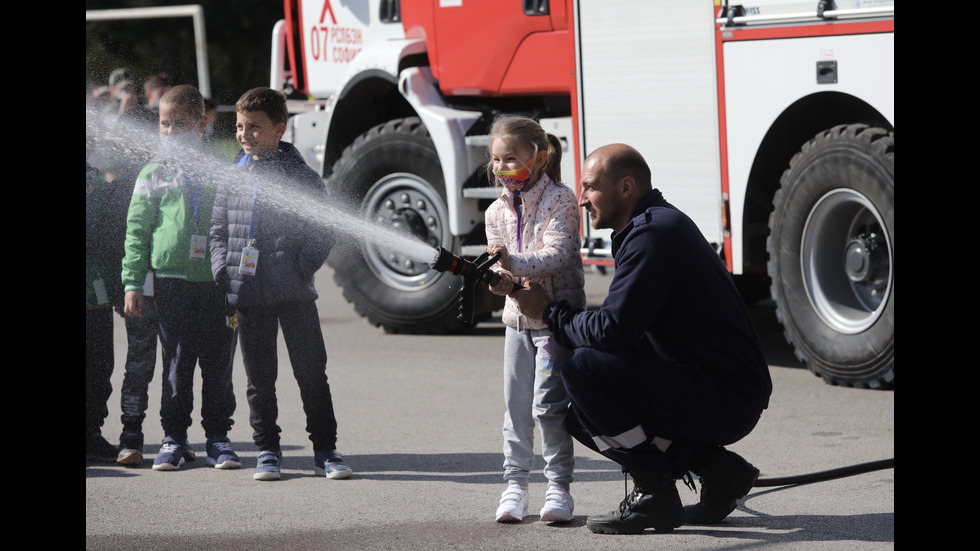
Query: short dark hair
[159, 80]
[186, 98]
[266, 100]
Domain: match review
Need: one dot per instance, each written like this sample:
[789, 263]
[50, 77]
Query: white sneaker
[558, 505]
[513, 504]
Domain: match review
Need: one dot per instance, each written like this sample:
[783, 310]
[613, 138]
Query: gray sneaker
[268, 465]
[130, 457]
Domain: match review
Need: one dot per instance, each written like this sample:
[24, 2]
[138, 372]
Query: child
[535, 226]
[142, 332]
[166, 231]
[104, 230]
[264, 258]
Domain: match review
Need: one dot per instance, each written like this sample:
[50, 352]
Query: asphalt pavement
[420, 424]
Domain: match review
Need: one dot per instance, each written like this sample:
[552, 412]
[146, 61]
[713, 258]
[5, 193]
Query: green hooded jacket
[166, 210]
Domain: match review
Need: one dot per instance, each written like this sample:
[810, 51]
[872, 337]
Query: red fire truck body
[771, 124]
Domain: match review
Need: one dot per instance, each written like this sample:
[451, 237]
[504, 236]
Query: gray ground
[420, 420]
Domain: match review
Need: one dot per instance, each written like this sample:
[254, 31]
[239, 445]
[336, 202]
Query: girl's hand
[504, 261]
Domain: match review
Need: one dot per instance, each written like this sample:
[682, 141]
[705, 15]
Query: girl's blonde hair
[527, 136]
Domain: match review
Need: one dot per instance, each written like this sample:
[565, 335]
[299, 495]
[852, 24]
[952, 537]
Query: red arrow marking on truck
[326, 6]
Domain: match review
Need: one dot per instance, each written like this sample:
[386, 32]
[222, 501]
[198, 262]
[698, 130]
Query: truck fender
[448, 128]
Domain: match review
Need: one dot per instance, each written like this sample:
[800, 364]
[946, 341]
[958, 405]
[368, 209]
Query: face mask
[179, 144]
[515, 180]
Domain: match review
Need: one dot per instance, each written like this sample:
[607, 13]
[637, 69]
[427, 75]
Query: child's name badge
[250, 258]
[100, 295]
[199, 244]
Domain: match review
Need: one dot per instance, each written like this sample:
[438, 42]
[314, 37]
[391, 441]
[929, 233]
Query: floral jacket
[549, 249]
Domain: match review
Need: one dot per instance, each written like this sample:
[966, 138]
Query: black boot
[725, 478]
[654, 503]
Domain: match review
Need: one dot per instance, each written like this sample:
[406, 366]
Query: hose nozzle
[478, 270]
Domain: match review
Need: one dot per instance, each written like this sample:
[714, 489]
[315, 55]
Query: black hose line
[826, 475]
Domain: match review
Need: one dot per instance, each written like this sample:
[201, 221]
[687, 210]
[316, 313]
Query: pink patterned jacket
[549, 252]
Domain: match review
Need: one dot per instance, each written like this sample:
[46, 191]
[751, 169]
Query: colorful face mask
[517, 179]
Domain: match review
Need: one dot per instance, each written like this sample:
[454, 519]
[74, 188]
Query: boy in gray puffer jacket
[264, 256]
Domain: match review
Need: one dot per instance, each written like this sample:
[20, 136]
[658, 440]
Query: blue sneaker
[330, 463]
[268, 465]
[170, 456]
[221, 455]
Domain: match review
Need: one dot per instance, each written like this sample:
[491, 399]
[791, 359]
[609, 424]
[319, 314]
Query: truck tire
[832, 255]
[391, 176]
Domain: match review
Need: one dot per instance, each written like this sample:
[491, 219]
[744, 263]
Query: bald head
[614, 178]
[620, 160]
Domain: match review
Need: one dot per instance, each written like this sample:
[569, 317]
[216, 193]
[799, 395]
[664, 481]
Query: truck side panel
[653, 87]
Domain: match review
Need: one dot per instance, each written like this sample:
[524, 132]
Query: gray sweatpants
[534, 391]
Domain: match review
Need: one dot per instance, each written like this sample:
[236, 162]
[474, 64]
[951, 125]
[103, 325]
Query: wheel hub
[407, 205]
[861, 262]
[409, 222]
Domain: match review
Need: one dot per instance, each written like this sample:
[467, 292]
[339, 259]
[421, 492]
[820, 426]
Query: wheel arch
[797, 125]
[367, 100]
[375, 96]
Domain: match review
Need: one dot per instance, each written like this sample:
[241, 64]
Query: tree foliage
[239, 44]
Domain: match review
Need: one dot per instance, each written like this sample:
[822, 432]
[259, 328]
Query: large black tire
[832, 255]
[391, 176]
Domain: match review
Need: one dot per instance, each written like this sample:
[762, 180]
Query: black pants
[98, 368]
[611, 395]
[141, 360]
[193, 329]
[259, 330]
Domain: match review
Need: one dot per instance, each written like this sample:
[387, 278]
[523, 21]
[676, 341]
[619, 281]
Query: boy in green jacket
[167, 230]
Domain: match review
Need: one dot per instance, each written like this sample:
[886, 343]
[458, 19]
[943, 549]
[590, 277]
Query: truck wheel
[832, 255]
[390, 176]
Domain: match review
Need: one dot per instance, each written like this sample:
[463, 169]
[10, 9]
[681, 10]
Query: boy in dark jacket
[264, 256]
[104, 233]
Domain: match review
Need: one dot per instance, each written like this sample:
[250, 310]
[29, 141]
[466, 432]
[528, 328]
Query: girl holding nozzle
[534, 225]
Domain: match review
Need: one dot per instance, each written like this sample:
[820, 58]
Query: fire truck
[770, 123]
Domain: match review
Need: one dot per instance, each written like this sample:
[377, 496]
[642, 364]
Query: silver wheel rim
[846, 261]
[406, 204]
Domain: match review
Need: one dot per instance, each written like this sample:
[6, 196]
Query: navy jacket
[671, 298]
[273, 204]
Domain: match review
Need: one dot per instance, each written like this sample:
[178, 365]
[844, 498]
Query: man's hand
[504, 286]
[531, 299]
[134, 303]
